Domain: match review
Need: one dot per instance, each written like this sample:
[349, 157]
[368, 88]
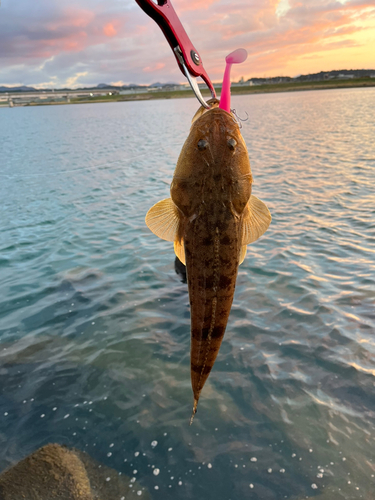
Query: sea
[95, 322]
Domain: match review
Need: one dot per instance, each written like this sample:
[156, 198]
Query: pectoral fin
[163, 219]
[242, 254]
[179, 250]
[256, 220]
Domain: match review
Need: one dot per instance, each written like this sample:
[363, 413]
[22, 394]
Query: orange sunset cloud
[156, 67]
[109, 30]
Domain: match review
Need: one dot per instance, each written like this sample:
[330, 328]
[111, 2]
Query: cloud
[109, 30]
[155, 67]
[72, 81]
[90, 41]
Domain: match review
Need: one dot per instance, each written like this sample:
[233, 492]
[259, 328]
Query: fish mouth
[214, 105]
[208, 117]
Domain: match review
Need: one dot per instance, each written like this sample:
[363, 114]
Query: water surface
[94, 322]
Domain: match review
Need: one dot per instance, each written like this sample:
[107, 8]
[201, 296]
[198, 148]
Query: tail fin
[194, 410]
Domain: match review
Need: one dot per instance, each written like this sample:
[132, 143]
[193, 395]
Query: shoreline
[240, 90]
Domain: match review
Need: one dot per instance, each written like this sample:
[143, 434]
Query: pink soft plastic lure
[236, 57]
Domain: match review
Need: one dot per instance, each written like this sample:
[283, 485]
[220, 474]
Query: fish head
[214, 155]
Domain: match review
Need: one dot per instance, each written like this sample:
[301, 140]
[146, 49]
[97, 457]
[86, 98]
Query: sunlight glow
[283, 8]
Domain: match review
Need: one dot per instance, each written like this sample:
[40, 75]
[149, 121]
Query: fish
[211, 217]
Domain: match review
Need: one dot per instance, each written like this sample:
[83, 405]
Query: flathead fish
[210, 217]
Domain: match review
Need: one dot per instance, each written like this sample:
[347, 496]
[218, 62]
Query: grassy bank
[256, 89]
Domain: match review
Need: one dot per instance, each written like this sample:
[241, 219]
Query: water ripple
[94, 322]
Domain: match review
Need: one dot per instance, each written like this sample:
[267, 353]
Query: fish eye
[202, 145]
[232, 143]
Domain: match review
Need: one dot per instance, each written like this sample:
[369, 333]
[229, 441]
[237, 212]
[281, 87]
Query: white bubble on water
[156, 472]
[135, 471]
[132, 480]
[54, 409]
[156, 487]
[112, 445]
[310, 450]
[24, 401]
[314, 486]
[251, 485]
[108, 479]
[6, 414]
[343, 459]
[319, 475]
[170, 449]
[41, 416]
[154, 443]
[282, 471]
[136, 453]
[209, 466]
[165, 434]
[294, 455]
[180, 483]
[109, 454]
[67, 415]
[139, 493]
[236, 466]
[253, 459]
[269, 471]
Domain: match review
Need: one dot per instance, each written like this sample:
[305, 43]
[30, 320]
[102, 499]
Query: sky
[75, 43]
